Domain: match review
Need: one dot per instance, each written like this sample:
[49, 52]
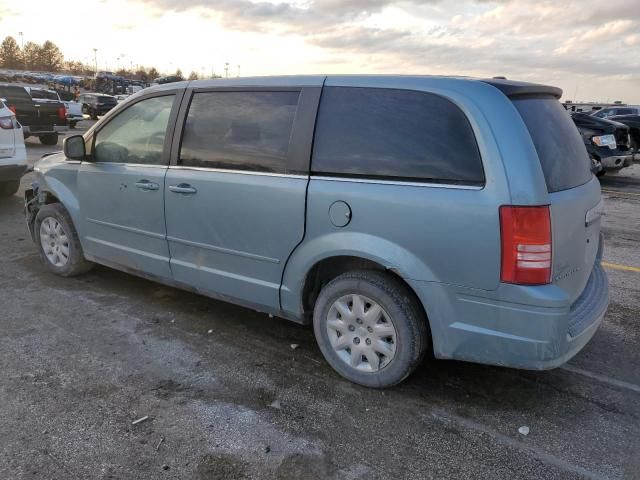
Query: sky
[589, 48]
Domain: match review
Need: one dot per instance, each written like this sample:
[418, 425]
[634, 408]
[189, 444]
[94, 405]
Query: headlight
[605, 141]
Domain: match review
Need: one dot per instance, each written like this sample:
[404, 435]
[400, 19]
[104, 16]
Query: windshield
[563, 156]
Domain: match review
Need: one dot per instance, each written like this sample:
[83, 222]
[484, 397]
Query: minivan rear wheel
[370, 328]
[58, 242]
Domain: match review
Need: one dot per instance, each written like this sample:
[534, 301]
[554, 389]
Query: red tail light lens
[6, 123]
[526, 245]
[62, 113]
[12, 108]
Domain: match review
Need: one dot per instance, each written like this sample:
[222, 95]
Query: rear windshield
[14, 93]
[107, 99]
[563, 156]
[44, 94]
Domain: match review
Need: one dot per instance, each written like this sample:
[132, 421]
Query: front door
[122, 189]
[235, 201]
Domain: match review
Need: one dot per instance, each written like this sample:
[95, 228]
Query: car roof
[508, 87]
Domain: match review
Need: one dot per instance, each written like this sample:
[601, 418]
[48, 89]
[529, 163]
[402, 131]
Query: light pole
[226, 69]
[24, 58]
[95, 59]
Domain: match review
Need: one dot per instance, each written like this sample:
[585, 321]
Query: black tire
[93, 115]
[600, 173]
[76, 264]
[7, 189]
[72, 125]
[404, 312]
[49, 139]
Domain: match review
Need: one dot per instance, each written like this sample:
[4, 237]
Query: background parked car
[95, 105]
[74, 109]
[607, 142]
[39, 119]
[633, 122]
[614, 111]
[13, 156]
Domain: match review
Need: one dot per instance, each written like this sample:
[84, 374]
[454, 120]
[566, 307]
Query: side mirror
[74, 148]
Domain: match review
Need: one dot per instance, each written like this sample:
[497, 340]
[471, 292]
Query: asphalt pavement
[83, 358]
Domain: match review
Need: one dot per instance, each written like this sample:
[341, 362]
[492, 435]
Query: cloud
[479, 35]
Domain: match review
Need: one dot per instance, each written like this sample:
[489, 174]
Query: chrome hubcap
[361, 333]
[54, 241]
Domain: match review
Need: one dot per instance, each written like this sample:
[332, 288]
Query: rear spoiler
[512, 88]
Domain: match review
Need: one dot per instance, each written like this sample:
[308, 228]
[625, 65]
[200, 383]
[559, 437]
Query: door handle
[184, 188]
[147, 185]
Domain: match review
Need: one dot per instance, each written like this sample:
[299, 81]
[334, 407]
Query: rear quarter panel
[426, 232]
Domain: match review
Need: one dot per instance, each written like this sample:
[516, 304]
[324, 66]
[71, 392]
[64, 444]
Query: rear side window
[394, 134]
[239, 130]
[563, 156]
[107, 99]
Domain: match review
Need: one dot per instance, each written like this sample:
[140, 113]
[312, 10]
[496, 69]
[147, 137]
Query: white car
[13, 155]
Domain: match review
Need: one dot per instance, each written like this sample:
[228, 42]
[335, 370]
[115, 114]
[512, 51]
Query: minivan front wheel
[370, 328]
[58, 242]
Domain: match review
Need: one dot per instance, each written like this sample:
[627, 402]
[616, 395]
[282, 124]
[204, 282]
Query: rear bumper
[616, 161]
[41, 130]
[469, 327]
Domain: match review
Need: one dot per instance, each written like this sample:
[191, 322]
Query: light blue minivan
[399, 214]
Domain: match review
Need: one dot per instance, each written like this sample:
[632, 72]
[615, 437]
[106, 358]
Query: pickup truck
[38, 118]
[74, 109]
[608, 143]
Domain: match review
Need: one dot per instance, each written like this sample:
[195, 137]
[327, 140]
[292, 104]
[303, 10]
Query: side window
[624, 111]
[135, 135]
[607, 112]
[402, 134]
[239, 130]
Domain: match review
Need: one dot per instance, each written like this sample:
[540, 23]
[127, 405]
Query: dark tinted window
[625, 111]
[44, 94]
[14, 93]
[386, 133]
[104, 99]
[563, 156]
[239, 130]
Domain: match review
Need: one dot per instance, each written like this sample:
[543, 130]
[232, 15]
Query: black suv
[95, 104]
[39, 119]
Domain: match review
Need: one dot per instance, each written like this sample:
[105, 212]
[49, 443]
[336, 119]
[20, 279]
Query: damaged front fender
[31, 207]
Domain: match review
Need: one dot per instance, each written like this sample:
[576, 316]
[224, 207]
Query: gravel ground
[82, 358]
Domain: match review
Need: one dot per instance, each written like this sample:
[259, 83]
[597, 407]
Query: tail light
[526, 245]
[6, 123]
[62, 113]
[12, 108]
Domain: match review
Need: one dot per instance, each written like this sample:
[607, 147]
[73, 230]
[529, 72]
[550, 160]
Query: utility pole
[238, 70]
[95, 59]
[226, 69]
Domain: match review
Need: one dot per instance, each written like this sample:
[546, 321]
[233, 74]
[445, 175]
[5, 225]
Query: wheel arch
[305, 274]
